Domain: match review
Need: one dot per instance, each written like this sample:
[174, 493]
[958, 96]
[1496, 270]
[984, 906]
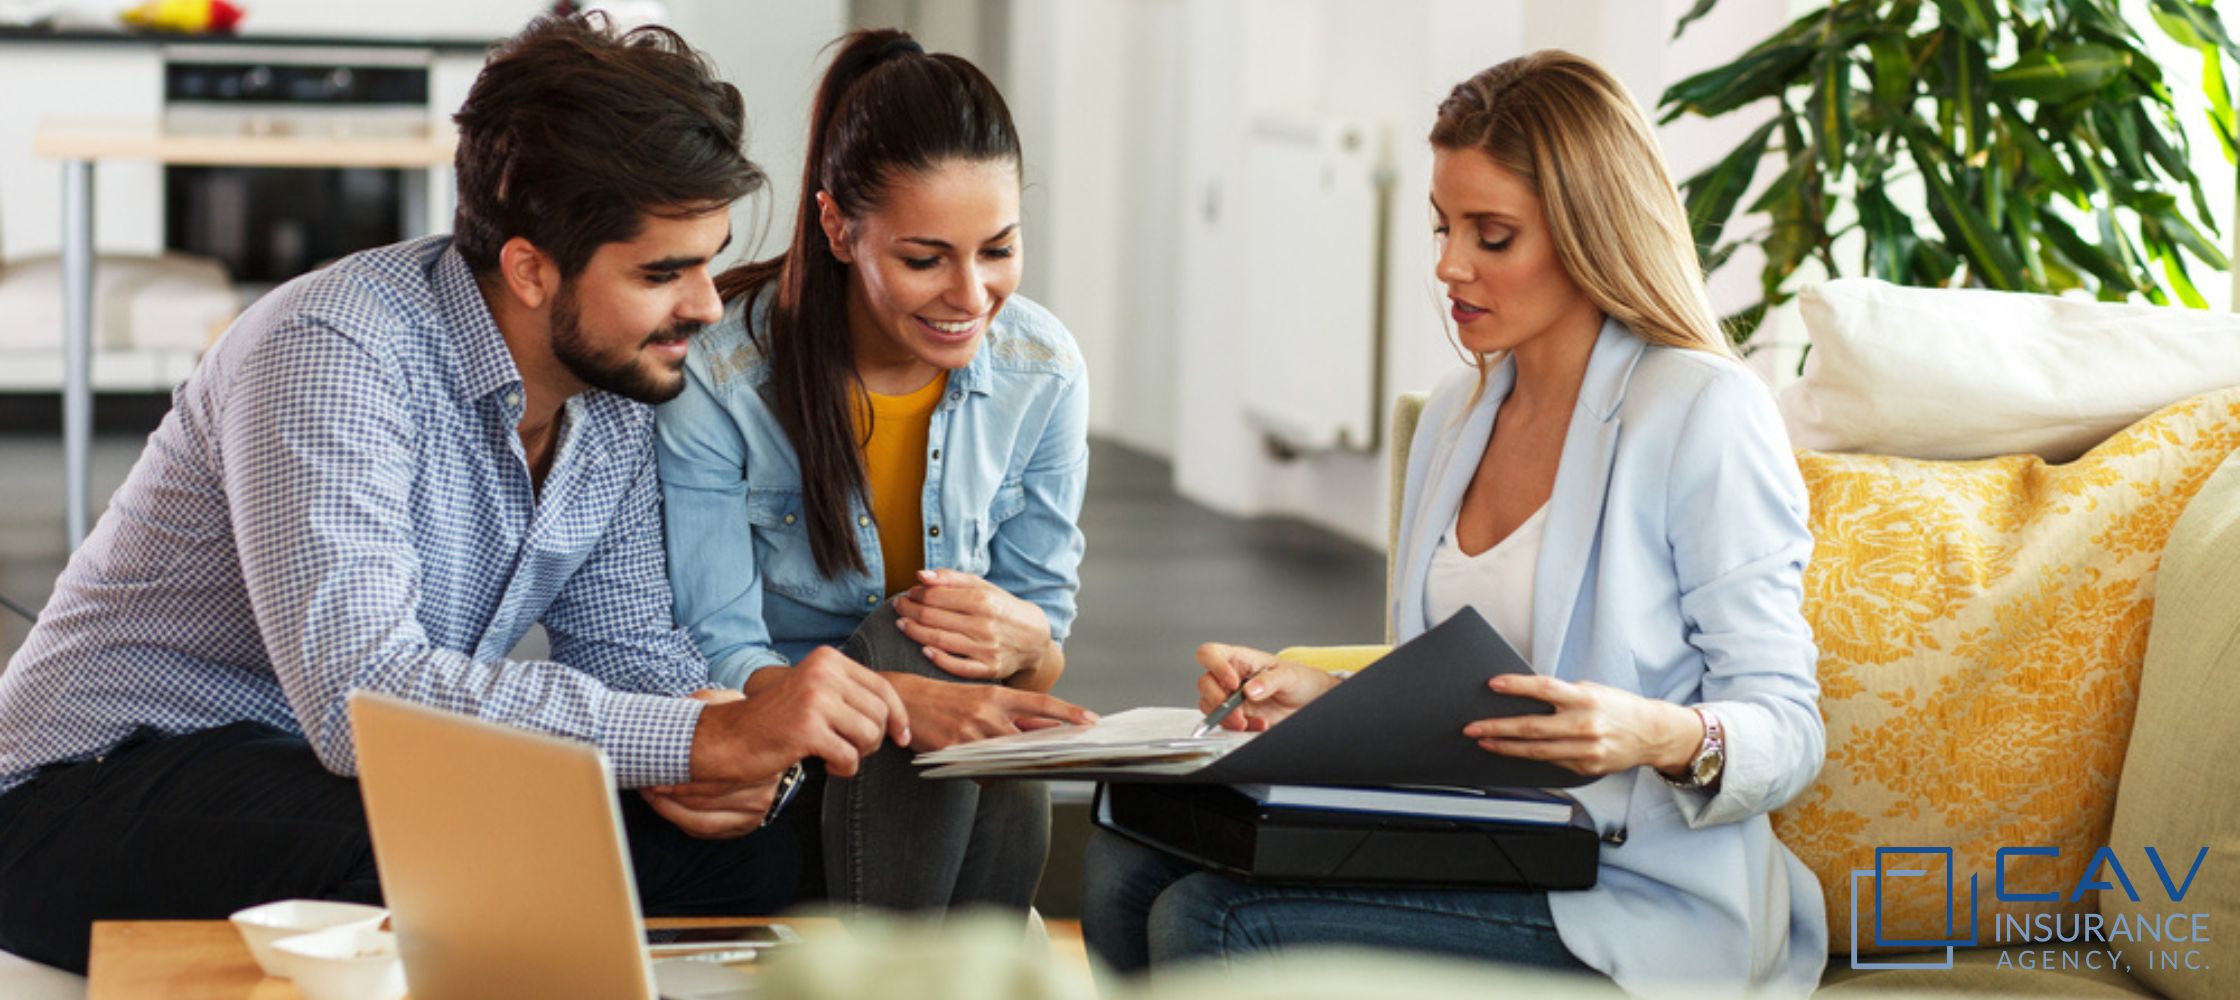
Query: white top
[1497, 582]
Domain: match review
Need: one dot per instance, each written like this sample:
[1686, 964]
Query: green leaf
[1935, 263]
[1755, 77]
[1830, 106]
[1995, 192]
[2221, 116]
[1764, 71]
[1712, 194]
[2201, 20]
[1787, 184]
[1893, 69]
[2081, 254]
[1973, 17]
[1891, 243]
[2183, 234]
[2134, 263]
[1701, 8]
[1962, 221]
[2045, 167]
[2124, 131]
[2059, 74]
[2025, 229]
[2160, 250]
[2148, 133]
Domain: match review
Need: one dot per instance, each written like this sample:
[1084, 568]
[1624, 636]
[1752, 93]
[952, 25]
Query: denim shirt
[1007, 462]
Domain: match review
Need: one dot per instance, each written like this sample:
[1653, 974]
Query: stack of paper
[1138, 741]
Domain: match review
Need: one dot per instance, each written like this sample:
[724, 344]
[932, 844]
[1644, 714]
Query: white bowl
[260, 926]
[345, 963]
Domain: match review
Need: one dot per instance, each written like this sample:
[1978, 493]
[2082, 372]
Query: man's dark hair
[573, 132]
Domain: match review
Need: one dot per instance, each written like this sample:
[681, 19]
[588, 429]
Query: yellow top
[894, 466]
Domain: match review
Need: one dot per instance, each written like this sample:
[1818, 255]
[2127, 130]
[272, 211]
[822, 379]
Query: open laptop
[504, 864]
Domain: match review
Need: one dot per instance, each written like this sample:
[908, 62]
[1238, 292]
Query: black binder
[1218, 827]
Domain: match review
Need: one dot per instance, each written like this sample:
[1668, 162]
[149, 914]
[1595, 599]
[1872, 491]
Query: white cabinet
[45, 80]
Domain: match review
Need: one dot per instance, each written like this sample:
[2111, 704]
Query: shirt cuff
[648, 737]
[733, 670]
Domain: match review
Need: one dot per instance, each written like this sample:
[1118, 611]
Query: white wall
[1134, 113]
[774, 51]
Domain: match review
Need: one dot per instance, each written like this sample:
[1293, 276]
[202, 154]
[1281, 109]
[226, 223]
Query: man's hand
[945, 713]
[713, 810]
[826, 706]
[973, 628]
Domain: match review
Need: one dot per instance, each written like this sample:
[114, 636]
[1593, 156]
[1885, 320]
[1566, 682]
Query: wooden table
[205, 959]
[79, 143]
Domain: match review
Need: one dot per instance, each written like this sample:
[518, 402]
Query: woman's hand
[973, 628]
[1596, 729]
[943, 713]
[1273, 689]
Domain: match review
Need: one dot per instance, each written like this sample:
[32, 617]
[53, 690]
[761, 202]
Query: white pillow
[1939, 373]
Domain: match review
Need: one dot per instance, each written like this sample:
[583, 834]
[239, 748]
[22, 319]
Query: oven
[269, 224]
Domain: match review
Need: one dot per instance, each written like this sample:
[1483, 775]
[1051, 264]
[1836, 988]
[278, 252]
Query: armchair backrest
[1406, 410]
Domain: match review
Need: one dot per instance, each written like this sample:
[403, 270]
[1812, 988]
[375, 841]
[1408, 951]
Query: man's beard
[629, 378]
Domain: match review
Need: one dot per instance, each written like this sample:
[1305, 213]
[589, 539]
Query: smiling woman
[882, 447]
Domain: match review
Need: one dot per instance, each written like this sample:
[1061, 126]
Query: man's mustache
[681, 331]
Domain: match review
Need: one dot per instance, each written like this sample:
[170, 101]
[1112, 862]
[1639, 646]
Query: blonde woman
[1609, 488]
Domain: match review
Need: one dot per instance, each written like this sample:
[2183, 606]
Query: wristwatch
[788, 784]
[1711, 758]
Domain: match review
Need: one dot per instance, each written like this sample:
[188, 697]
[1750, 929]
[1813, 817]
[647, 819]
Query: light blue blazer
[1672, 567]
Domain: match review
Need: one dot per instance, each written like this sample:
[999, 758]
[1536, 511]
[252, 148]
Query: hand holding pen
[1248, 690]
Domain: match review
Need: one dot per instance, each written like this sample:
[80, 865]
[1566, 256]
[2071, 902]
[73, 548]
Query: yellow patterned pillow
[1981, 628]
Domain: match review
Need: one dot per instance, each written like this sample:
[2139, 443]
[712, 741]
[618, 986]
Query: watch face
[1707, 767]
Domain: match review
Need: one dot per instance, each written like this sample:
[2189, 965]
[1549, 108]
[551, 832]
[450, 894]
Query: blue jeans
[1141, 907]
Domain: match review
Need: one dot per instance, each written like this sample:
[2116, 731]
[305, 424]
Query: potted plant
[2045, 141]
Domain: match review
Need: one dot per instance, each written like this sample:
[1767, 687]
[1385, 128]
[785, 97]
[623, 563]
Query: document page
[1156, 740]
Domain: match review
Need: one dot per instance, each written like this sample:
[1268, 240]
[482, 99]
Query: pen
[1222, 710]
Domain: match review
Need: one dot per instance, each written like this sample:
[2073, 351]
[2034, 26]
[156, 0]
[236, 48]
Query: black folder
[1218, 827]
[1398, 722]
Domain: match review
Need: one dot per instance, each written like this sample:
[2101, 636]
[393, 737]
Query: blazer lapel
[1582, 481]
[1448, 478]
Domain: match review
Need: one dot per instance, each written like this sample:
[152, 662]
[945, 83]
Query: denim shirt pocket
[1010, 499]
[781, 543]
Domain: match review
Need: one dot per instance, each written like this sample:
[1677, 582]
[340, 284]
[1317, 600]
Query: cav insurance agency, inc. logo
[1907, 904]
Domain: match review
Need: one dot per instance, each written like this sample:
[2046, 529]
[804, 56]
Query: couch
[2158, 507]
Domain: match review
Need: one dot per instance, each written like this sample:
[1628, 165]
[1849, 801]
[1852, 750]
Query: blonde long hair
[1575, 136]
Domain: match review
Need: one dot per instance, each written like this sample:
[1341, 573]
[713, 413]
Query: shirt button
[513, 399]
[789, 519]
[937, 454]
[935, 531]
[863, 520]
[955, 395]
[871, 599]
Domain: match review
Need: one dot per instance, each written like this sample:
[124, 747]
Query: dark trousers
[200, 825]
[895, 841]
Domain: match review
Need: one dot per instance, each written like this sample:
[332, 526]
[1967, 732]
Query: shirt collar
[974, 377]
[485, 365]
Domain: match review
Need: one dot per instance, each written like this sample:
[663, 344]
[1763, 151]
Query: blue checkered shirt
[338, 499]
